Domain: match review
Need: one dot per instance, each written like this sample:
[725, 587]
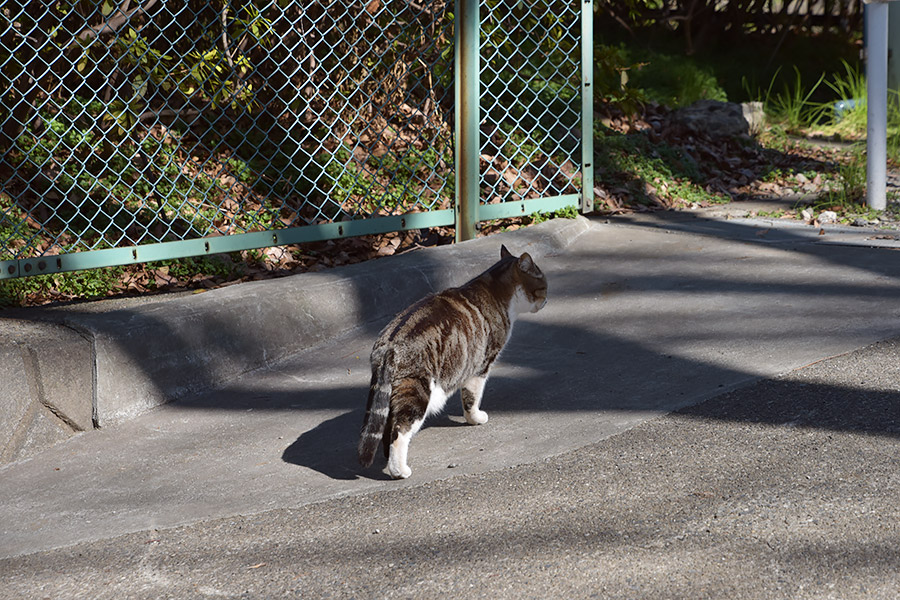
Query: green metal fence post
[587, 106]
[468, 94]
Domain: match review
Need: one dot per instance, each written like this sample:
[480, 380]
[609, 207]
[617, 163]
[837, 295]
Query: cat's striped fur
[443, 343]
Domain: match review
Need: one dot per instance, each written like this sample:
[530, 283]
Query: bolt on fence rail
[141, 131]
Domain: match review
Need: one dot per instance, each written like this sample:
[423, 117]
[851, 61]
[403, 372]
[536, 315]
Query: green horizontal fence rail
[142, 131]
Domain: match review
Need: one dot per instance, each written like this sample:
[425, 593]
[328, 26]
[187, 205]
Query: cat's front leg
[471, 400]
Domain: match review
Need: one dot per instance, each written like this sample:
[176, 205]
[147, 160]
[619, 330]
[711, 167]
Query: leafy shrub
[676, 81]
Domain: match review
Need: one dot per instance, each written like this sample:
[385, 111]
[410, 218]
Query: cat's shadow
[329, 448]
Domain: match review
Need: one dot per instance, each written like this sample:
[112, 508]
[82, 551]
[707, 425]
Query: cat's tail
[377, 410]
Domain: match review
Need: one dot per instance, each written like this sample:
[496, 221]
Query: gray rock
[713, 118]
[828, 216]
[754, 115]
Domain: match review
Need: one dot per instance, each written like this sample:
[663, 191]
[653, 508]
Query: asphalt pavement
[707, 407]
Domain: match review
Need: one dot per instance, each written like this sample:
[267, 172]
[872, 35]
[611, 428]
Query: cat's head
[531, 293]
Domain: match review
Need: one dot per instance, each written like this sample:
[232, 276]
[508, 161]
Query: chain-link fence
[531, 101]
[135, 131]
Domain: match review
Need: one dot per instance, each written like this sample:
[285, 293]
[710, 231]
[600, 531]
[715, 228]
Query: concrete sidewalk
[786, 488]
[646, 315]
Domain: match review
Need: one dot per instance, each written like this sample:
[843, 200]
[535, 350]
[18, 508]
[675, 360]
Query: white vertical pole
[876, 103]
[587, 106]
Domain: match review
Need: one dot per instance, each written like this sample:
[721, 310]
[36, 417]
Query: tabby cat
[442, 343]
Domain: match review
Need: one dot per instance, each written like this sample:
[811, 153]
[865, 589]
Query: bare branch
[420, 8]
[168, 112]
[112, 25]
[225, 35]
[25, 37]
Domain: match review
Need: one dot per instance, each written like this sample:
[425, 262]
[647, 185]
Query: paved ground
[762, 485]
[783, 489]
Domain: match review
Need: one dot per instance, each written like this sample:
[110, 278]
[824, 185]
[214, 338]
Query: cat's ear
[504, 252]
[526, 265]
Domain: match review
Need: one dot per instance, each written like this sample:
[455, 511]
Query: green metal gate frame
[468, 211]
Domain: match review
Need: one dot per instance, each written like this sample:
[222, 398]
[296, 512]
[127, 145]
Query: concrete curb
[46, 371]
[70, 369]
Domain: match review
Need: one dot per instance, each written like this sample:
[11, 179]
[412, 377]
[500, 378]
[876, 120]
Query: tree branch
[113, 24]
[168, 112]
[225, 35]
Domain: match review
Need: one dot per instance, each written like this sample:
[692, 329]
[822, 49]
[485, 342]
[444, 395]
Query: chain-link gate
[535, 90]
[139, 131]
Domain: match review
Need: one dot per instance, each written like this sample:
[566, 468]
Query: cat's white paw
[476, 417]
[400, 472]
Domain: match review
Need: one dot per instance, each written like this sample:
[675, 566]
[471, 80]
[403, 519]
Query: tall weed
[793, 105]
[851, 85]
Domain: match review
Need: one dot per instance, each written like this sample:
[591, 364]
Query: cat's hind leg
[409, 402]
[471, 400]
[397, 465]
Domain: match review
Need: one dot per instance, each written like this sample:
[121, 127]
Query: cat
[443, 343]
